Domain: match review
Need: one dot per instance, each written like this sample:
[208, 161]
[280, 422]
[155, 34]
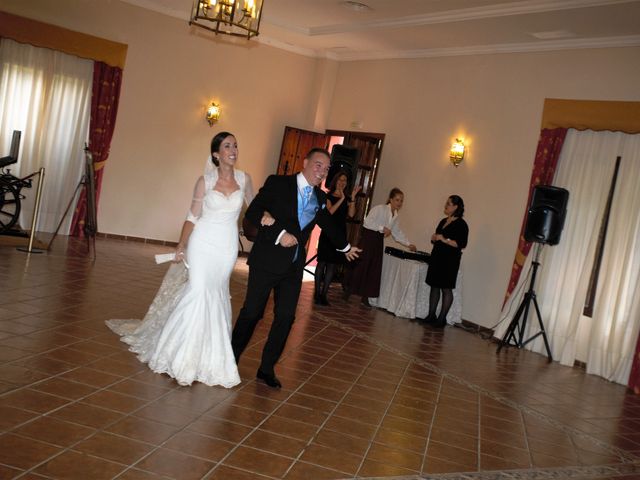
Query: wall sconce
[456, 154]
[213, 113]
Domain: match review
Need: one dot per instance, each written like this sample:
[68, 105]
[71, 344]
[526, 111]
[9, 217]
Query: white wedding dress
[186, 332]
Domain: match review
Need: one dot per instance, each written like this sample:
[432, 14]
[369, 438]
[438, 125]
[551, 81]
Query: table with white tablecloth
[404, 293]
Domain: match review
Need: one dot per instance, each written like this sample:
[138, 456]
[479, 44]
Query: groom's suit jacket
[279, 197]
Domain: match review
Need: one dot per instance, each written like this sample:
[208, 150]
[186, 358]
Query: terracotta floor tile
[350, 427]
[12, 416]
[114, 401]
[290, 428]
[175, 465]
[164, 413]
[332, 458]
[24, 453]
[8, 472]
[307, 471]
[32, 400]
[258, 461]
[218, 428]
[139, 390]
[225, 472]
[92, 377]
[135, 474]
[403, 441]
[114, 447]
[415, 392]
[143, 430]
[393, 456]
[201, 446]
[78, 466]
[272, 442]
[233, 413]
[372, 468]
[56, 432]
[301, 414]
[64, 388]
[87, 415]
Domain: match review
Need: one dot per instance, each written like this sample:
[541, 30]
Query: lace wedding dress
[186, 332]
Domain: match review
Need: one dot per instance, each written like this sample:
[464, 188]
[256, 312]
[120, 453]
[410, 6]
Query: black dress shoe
[365, 302]
[269, 379]
[428, 320]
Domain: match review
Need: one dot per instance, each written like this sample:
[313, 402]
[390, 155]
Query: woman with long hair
[186, 332]
[341, 205]
[381, 222]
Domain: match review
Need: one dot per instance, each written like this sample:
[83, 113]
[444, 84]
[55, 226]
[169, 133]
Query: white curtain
[585, 168]
[47, 95]
[616, 316]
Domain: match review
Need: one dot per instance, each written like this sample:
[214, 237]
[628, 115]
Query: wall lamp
[456, 154]
[213, 113]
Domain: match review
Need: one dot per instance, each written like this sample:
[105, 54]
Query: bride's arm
[192, 217]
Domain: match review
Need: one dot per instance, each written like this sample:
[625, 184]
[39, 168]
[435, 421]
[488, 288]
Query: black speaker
[343, 158]
[545, 218]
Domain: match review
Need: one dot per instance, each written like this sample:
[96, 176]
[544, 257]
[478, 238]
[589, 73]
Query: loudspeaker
[343, 158]
[545, 218]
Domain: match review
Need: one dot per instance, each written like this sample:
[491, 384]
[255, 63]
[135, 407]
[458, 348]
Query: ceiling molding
[543, 46]
[448, 16]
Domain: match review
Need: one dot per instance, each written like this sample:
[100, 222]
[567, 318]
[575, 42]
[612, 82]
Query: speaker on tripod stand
[545, 220]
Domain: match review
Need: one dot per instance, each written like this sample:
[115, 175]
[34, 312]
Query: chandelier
[231, 17]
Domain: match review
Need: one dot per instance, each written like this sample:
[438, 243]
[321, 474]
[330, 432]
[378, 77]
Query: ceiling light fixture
[240, 18]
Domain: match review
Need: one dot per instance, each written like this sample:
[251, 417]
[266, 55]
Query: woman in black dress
[448, 241]
[328, 256]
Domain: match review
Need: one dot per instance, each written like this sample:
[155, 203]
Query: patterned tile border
[630, 463]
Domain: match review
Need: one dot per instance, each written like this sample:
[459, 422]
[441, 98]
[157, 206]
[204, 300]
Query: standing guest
[328, 257]
[381, 222]
[277, 259]
[448, 241]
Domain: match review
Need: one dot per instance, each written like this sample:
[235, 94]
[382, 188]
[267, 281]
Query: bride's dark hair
[215, 145]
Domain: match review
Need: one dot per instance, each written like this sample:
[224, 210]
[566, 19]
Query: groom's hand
[288, 240]
[353, 253]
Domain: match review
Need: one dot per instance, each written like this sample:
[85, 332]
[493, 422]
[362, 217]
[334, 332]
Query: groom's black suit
[272, 267]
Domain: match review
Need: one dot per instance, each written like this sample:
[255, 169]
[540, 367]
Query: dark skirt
[443, 266]
[327, 251]
[364, 279]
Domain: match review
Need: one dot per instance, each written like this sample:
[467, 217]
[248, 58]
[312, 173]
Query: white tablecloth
[404, 293]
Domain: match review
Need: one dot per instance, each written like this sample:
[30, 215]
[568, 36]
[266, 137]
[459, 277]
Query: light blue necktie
[305, 215]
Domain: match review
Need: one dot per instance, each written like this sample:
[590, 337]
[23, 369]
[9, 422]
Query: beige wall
[161, 140]
[495, 102]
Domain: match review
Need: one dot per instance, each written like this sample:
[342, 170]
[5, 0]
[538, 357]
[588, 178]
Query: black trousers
[286, 290]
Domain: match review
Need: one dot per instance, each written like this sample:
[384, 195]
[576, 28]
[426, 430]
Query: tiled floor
[365, 394]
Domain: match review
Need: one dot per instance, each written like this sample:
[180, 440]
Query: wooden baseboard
[130, 238]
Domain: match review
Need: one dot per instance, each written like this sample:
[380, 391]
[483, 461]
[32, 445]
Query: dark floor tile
[24, 453]
[175, 465]
[72, 465]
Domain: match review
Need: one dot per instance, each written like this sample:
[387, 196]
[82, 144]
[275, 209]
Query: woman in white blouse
[381, 222]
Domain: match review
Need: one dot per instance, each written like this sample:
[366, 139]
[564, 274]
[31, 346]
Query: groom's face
[315, 168]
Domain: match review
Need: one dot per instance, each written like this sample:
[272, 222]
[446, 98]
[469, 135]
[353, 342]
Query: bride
[186, 332]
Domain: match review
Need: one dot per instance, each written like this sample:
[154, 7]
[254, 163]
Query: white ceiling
[434, 28]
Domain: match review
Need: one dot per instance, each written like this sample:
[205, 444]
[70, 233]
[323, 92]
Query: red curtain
[104, 108]
[544, 168]
[634, 377]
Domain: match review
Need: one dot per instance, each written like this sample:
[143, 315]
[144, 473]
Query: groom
[277, 259]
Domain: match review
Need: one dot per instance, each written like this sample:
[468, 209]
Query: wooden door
[369, 146]
[296, 143]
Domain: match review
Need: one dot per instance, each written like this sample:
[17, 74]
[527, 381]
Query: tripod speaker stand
[514, 336]
[90, 221]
